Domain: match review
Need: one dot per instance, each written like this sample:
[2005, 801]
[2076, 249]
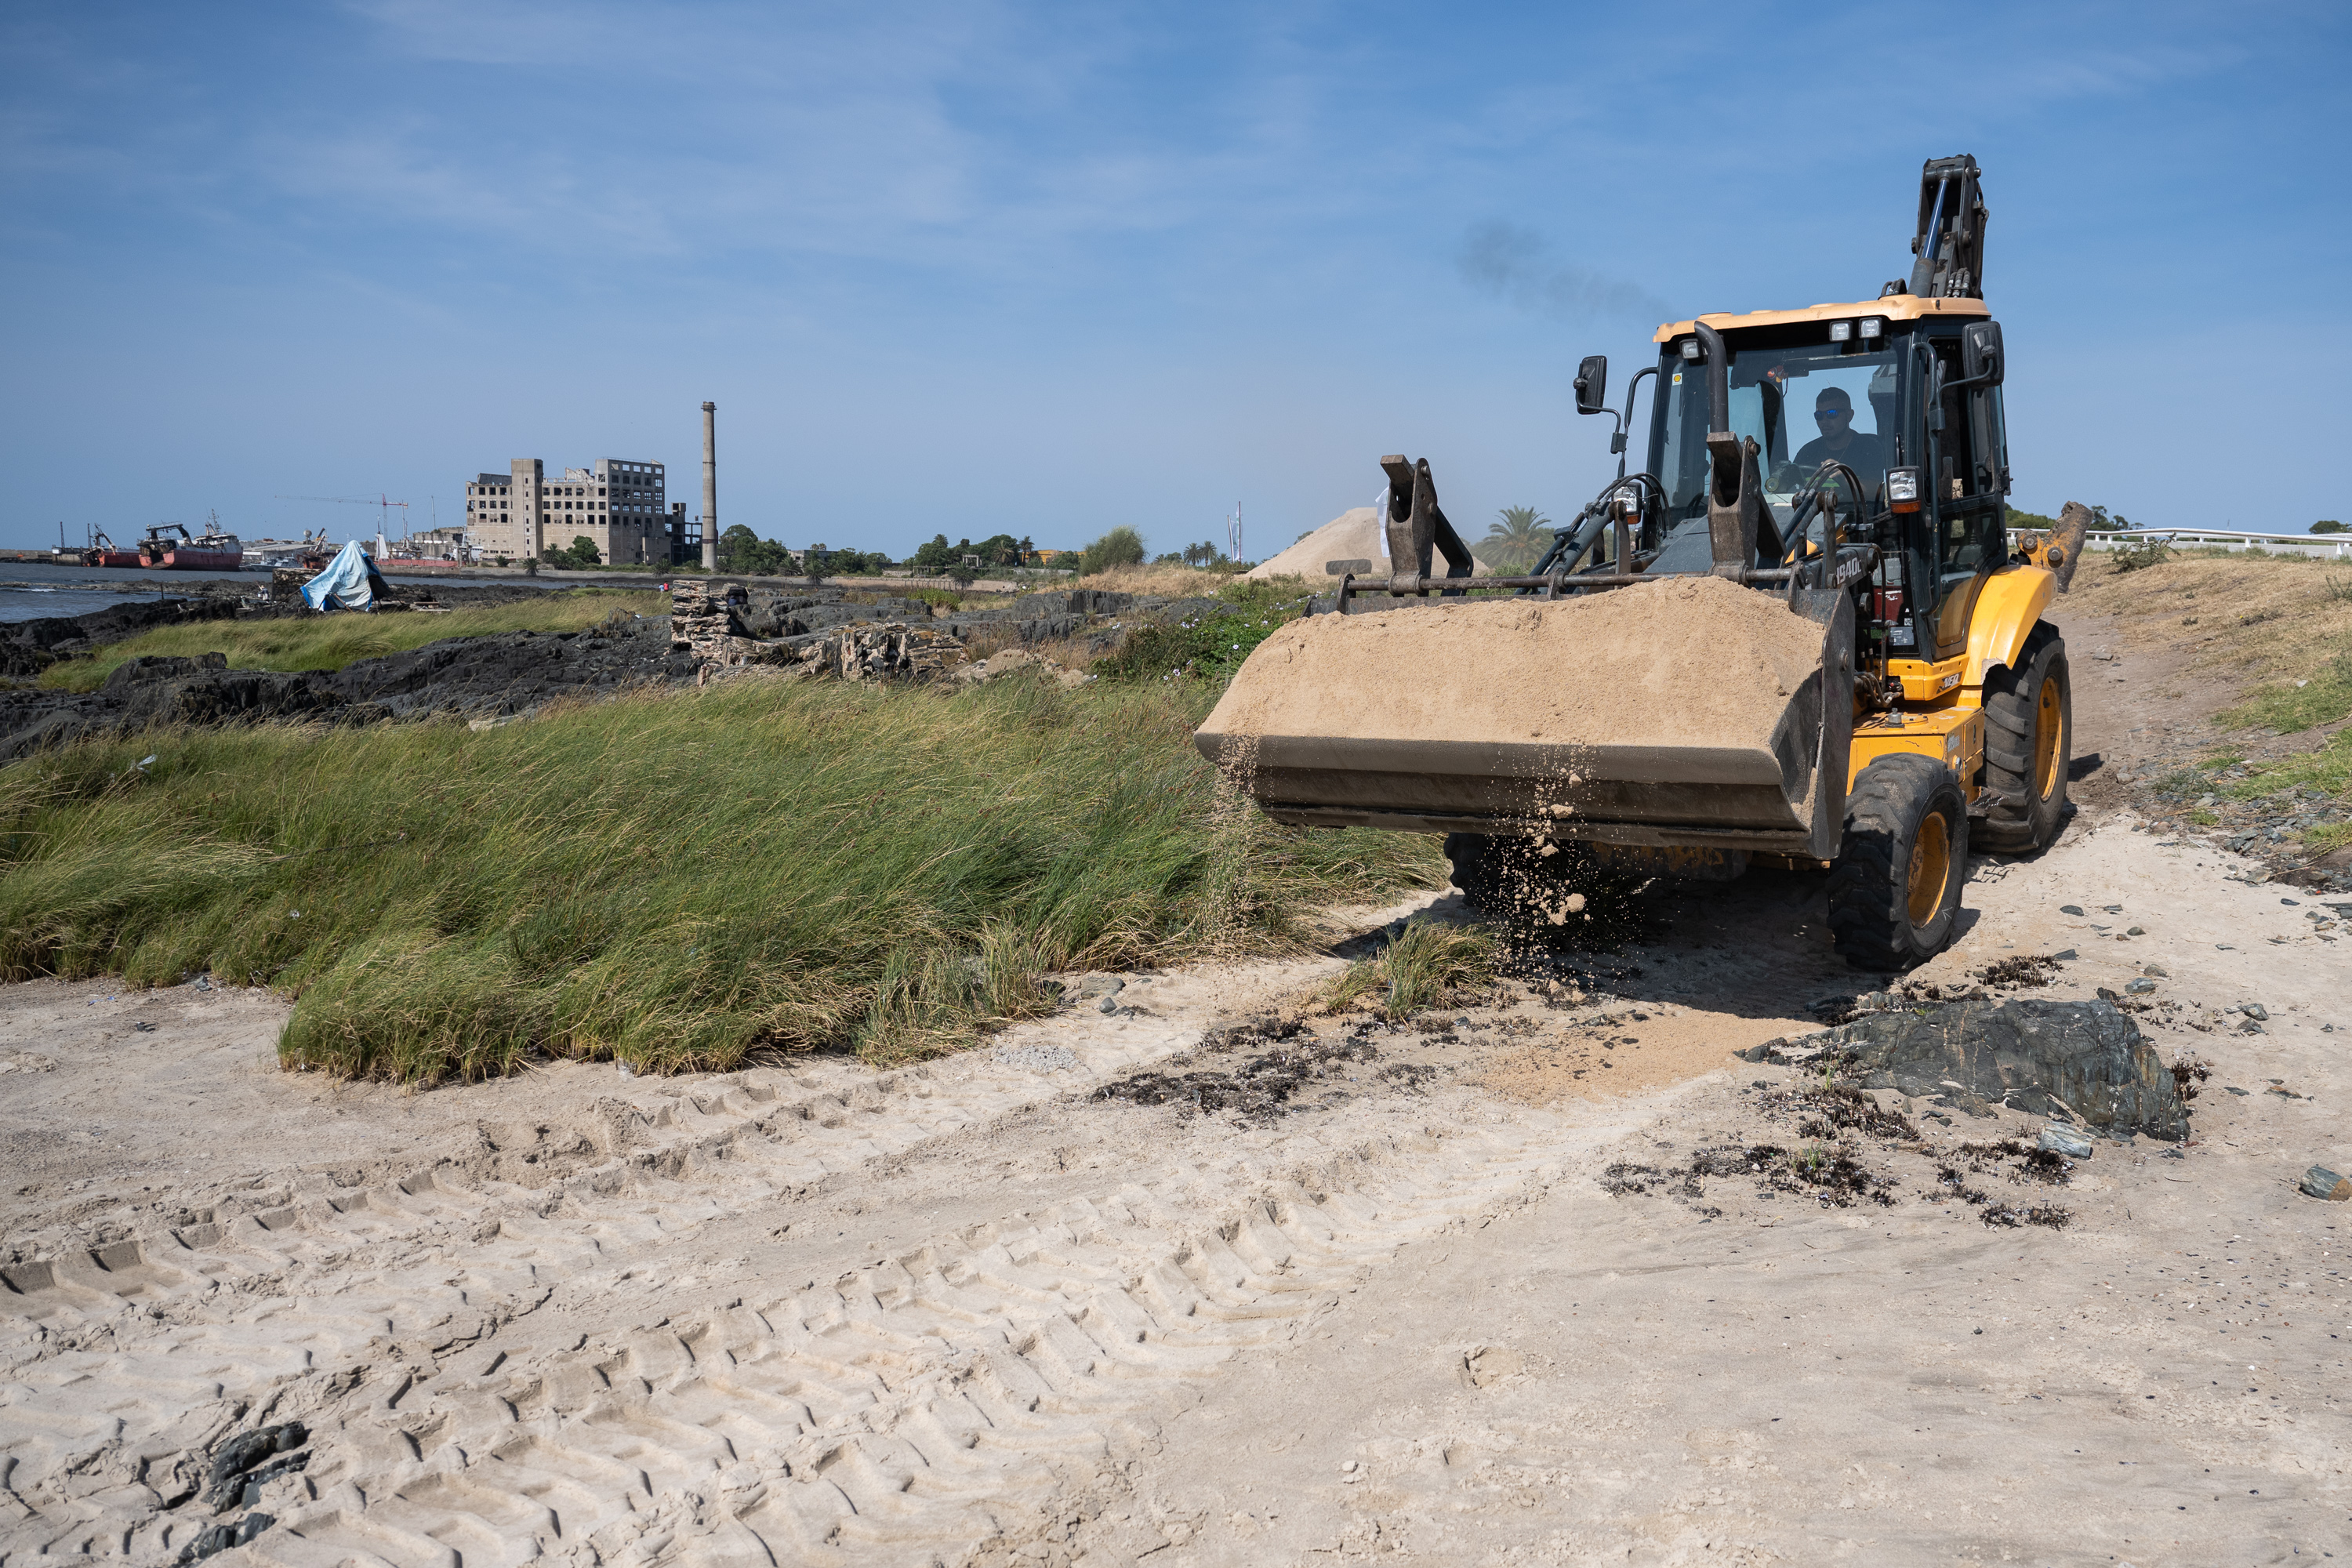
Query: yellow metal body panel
[2013, 600]
[1926, 682]
[1894, 308]
[1953, 735]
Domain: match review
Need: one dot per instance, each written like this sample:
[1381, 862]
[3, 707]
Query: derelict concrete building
[618, 503]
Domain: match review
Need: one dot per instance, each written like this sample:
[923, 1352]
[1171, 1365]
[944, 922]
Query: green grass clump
[1264, 596]
[1423, 964]
[1212, 647]
[2328, 770]
[677, 880]
[1429, 961]
[332, 641]
[2321, 698]
[2136, 557]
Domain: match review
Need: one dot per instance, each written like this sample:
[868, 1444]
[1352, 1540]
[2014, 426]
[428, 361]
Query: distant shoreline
[150, 582]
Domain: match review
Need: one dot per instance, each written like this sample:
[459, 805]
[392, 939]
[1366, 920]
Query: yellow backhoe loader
[1799, 637]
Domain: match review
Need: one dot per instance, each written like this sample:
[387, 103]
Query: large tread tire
[1474, 873]
[1895, 893]
[1504, 878]
[2028, 711]
[1545, 892]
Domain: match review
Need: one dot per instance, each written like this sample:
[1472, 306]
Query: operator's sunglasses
[1820, 414]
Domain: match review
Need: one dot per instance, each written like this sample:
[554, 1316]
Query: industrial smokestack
[710, 487]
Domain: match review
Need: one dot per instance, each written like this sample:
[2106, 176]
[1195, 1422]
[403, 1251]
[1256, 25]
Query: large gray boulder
[1175, 612]
[2088, 1058]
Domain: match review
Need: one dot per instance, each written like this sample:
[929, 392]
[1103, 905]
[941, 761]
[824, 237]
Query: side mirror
[1980, 355]
[1592, 385]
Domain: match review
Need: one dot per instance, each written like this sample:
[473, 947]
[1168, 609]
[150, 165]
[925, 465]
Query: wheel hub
[2048, 724]
[1931, 868]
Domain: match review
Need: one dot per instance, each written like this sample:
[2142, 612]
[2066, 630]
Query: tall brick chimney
[710, 487]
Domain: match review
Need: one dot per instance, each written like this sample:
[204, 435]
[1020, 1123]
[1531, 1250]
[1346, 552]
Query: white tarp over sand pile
[1683, 661]
[1355, 541]
[349, 582]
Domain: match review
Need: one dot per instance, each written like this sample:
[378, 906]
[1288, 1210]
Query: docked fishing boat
[269, 555]
[169, 547]
[104, 552]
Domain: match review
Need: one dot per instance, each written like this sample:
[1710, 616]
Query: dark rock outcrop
[2086, 1058]
[510, 671]
[817, 629]
[27, 648]
[487, 676]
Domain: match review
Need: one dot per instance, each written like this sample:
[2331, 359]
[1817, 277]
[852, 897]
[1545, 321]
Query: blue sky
[971, 266]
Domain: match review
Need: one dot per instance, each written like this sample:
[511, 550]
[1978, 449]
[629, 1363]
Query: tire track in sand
[121, 1364]
[909, 1410]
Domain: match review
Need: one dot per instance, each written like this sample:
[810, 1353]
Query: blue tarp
[348, 582]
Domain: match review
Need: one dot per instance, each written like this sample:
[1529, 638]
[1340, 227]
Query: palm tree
[1518, 541]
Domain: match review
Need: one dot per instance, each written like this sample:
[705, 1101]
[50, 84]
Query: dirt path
[1739, 1377]
[1452, 1299]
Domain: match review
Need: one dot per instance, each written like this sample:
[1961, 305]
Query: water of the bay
[31, 590]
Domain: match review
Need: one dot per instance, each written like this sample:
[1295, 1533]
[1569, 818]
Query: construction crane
[382, 503]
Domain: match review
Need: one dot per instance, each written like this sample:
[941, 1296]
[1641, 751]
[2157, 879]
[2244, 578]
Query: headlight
[1872, 326]
[1690, 348]
[1902, 484]
[1839, 331]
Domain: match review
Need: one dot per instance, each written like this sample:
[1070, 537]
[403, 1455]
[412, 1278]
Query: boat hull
[186, 560]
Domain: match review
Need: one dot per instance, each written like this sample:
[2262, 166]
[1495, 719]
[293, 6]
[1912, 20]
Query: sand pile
[1353, 541]
[1683, 661]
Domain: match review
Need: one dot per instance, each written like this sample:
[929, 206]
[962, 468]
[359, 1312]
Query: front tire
[1505, 876]
[1895, 893]
[1466, 853]
[2028, 742]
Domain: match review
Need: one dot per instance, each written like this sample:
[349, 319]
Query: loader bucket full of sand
[1687, 713]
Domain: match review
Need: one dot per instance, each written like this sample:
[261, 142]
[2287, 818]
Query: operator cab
[1897, 398]
[1920, 380]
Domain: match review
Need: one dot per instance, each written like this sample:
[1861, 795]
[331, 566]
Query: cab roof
[1893, 308]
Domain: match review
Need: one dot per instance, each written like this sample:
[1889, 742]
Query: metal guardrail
[2324, 546]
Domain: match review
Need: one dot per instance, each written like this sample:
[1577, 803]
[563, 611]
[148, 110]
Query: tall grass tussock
[1423, 964]
[676, 879]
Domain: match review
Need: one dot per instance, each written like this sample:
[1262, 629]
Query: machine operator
[1834, 411]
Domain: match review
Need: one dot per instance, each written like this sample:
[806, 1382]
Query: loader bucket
[1686, 712]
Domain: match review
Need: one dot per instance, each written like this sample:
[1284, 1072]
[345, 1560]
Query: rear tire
[1895, 893]
[1472, 872]
[1504, 876]
[2028, 711]
[1564, 895]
